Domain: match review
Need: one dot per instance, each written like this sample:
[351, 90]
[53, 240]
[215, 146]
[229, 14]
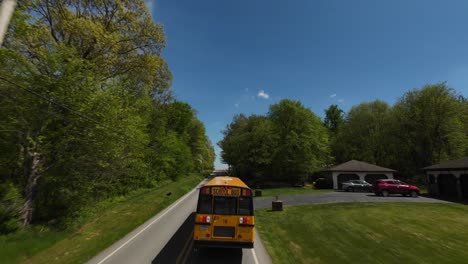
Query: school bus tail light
[244, 220]
[205, 219]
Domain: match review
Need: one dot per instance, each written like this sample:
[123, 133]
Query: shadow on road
[174, 249]
[217, 255]
[179, 249]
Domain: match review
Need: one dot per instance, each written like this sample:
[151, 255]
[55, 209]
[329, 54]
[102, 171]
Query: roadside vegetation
[366, 233]
[86, 112]
[103, 225]
[286, 145]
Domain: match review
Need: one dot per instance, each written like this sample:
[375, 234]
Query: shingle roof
[450, 165]
[356, 165]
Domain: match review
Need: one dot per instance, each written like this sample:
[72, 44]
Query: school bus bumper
[222, 244]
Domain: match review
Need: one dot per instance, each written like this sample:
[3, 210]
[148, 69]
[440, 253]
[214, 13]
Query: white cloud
[341, 100]
[333, 96]
[236, 105]
[263, 95]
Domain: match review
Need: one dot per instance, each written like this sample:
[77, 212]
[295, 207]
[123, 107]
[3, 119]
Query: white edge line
[255, 256]
[146, 227]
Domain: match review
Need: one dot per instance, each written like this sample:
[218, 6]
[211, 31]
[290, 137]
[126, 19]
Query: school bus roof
[227, 181]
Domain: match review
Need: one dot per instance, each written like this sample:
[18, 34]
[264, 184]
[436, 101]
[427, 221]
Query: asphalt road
[167, 238]
[340, 197]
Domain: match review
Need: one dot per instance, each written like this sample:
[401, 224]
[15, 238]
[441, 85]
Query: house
[357, 170]
[448, 179]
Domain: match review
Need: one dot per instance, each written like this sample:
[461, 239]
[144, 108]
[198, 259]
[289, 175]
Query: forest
[87, 112]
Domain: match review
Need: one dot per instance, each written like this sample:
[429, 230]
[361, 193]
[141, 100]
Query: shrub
[322, 183]
[10, 204]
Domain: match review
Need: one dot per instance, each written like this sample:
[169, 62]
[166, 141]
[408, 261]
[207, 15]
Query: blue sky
[231, 57]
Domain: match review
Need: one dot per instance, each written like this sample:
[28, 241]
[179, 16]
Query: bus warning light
[205, 190]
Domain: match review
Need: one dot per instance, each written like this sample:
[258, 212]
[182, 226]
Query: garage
[447, 186]
[346, 177]
[357, 170]
[464, 185]
[448, 179]
[371, 178]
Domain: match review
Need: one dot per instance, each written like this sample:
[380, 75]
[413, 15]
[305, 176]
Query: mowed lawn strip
[103, 230]
[286, 191]
[366, 233]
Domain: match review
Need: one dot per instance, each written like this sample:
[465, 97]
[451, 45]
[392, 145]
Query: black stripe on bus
[200, 223]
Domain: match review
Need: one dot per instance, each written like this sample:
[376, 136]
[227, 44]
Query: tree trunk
[34, 164]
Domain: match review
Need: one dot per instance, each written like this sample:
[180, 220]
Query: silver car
[356, 185]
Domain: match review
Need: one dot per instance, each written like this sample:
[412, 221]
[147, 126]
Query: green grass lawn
[366, 233]
[99, 232]
[292, 191]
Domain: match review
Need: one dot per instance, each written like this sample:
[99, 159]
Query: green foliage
[430, 127]
[425, 126]
[364, 134]
[10, 203]
[249, 145]
[175, 132]
[334, 118]
[303, 144]
[286, 145]
[86, 107]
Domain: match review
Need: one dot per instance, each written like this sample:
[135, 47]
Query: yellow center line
[190, 239]
[189, 250]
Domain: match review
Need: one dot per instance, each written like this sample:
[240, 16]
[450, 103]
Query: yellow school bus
[225, 214]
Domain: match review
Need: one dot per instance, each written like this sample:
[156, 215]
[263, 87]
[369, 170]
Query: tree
[286, 145]
[431, 127]
[80, 85]
[364, 134]
[248, 146]
[303, 145]
[180, 140]
[334, 118]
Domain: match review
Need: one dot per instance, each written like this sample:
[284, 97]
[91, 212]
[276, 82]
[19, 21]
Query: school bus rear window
[225, 205]
[204, 204]
[245, 206]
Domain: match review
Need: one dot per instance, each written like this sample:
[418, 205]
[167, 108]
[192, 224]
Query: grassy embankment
[292, 191]
[97, 233]
[366, 233]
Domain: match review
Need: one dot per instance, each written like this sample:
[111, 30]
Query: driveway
[339, 197]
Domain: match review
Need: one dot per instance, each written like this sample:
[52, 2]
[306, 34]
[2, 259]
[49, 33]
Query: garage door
[447, 185]
[346, 177]
[464, 185]
[371, 178]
